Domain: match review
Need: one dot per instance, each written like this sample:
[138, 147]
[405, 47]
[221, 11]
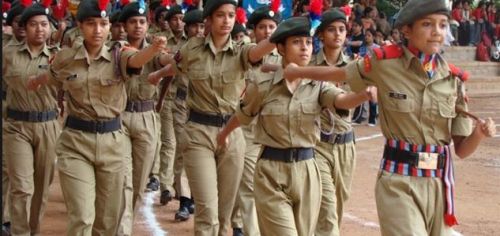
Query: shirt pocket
[272, 117]
[75, 85]
[232, 85]
[399, 105]
[111, 89]
[309, 117]
[447, 107]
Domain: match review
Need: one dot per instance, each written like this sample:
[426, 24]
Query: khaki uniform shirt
[139, 88]
[341, 118]
[94, 89]
[72, 37]
[18, 66]
[216, 79]
[286, 120]
[174, 45]
[255, 74]
[414, 107]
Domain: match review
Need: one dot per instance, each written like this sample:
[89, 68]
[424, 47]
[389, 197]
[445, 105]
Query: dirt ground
[477, 190]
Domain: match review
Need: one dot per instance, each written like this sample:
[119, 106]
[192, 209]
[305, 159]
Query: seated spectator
[382, 24]
[491, 20]
[369, 43]
[395, 37]
[381, 38]
[368, 20]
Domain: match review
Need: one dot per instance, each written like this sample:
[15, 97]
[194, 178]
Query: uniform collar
[321, 59]
[45, 49]
[82, 53]
[171, 36]
[442, 68]
[210, 43]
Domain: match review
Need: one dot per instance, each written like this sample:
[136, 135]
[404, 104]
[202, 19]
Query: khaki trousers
[245, 198]
[180, 115]
[92, 170]
[163, 168]
[287, 197]
[142, 131]
[30, 159]
[336, 163]
[214, 175]
[410, 205]
[5, 176]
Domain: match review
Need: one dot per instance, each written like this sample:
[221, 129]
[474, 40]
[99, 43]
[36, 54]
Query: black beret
[154, 4]
[212, 5]
[17, 9]
[132, 9]
[90, 8]
[238, 28]
[34, 10]
[158, 12]
[174, 10]
[416, 9]
[262, 13]
[294, 26]
[115, 16]
[193, 16]
[331, 16]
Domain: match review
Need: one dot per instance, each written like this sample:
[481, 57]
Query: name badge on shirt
[72, 77]
[43, 67]
[428, 161]
[397, 95]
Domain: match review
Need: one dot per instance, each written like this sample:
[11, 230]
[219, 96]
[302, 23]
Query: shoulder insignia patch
[457, 72]
[388, 52]
[368, 63]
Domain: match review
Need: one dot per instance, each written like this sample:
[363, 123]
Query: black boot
[183, 213]
[165, 197]
[237, 232]
[191, 206]
[153, 185]
[6, 229]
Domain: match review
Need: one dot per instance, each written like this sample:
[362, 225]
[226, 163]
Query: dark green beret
[263, 13]
[193, 16]
[154, 4]
[212, 5]
[90, 8]
[174, 10]
[16, 9]
[238, 28]
[416, 9]
[133, 9]
[331, 16]
[294, 26]
[115, 16]
[34, 10]
[158, 12]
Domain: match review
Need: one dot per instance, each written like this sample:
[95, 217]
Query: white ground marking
[369, 137]
[361, 221]
[455, 233]
[149, 215]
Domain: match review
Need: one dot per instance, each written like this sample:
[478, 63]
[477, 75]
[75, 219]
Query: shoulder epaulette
[457, 72]
[388, 52]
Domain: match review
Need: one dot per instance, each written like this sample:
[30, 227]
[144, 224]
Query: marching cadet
[263, 21]
[18, 35]
[336, 153]
[423, 109]
[139, 119]
[194, 27]
[31, 128]
[91, 151]
[117, 29]
[215, 67]
[287, 179]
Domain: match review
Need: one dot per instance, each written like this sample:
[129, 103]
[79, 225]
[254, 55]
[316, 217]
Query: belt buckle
[292, 155]
[428, 161]
[99, 126]
[335, 138]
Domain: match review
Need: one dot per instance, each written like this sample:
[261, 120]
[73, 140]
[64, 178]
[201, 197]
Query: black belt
[94, 126]
[181, 94]
[411, 158]
[31, 116]
[287, 154]
[140, 106]
[338, 138]
[206, 119]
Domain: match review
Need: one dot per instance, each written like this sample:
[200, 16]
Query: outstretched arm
[352, 100]
[157, 76]
[321, 73]
[256, 53]
[145, 55]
